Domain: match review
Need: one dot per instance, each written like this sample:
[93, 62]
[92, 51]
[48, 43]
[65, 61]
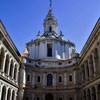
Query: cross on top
[50, 4]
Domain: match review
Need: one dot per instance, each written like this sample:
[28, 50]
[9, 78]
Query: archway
[98, 89]
[93, 94]
[1, 58]
[3, 95]
[9, 94]
[49, 97]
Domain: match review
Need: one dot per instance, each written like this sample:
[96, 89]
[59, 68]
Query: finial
[50, 4]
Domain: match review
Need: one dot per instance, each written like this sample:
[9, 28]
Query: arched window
[98, 89]
[49, 80]
[1, 58]
[3, 95]
[9, 94]
[6, 64]
[88, 94]
[93, 94]
[11, 68]
[50, 29]
[38, 79]
[49, 97]
[84, 95]
[49, 50]
[91, 64]
[13, 95]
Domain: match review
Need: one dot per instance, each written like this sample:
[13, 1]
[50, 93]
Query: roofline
[9, 38]
[89, 38]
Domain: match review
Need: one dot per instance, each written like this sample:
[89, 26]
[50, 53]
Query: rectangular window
[38, 79]
[28, 77]
[37, 98]
[60, 98]
[60, 79]
[70, 78]
[27, 98]
[49, 50]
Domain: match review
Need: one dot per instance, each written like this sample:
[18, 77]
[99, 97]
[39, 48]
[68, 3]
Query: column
[86, 75]
[11, 95]
[3, 63]
[94, 65]
[90, 74]
[0, 90]
[13, 71]
[96, 93]
[33, 79]
[65, 79]
[17, 73]
[63, 56]
[43, 97]
[99, 57]
[15, 96]
[54, 79]
[44, 79]
[75, 76]
[8, 69]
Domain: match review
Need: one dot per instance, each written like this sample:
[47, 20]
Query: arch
[49, 97]
[13, 95]
[91, 65]
[9, 94]
[6, 64]
[3, 94]
[15, 72]
[11, 68]
[87, 68]
[88, 94]
[98, 91]
[93, 93]
[84, 94]
[50, 29]
[1, 58]
[49, 80]
[83, 74]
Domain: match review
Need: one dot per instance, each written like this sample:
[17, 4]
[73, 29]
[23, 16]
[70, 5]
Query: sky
[24, 18]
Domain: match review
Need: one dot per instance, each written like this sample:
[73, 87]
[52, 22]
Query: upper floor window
[60, 79]
[37, 98]
[28, 78]
[49, 50]
[49, 80]
[27, 98]
[50, 29]
[38, 79]
[60, 98]
[70, 78]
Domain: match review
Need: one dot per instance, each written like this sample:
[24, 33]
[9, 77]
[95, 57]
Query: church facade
[50, 68]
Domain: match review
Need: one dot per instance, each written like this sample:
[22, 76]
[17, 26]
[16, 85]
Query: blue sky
[24, 18]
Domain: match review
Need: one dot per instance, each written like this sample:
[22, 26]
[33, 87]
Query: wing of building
[50, 68]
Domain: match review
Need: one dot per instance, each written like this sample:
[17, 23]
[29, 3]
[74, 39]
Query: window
[49, 50]
[37, 98]
[60, 79]
[50, 29]
[27, 98]
[60, 98]
[49, 80]
[70, 78]
[28, 77]
[71, 98]
[38, 79]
